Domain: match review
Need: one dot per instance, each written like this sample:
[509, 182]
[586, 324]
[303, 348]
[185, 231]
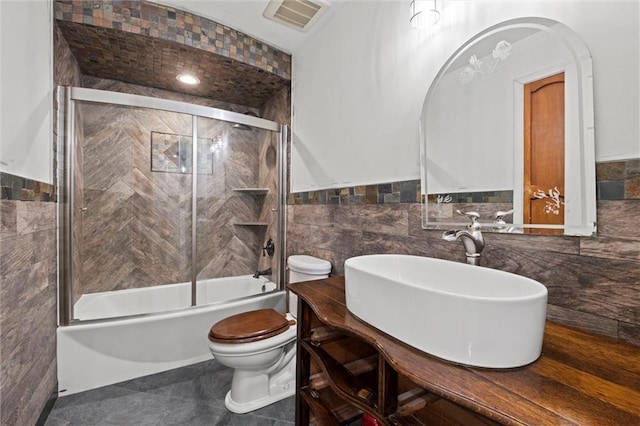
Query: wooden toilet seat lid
[249, 326]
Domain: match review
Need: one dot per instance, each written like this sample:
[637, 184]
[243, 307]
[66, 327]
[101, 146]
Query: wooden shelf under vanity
[346, 368]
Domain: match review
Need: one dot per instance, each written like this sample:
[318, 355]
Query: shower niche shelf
[257, 192]
[252, 191]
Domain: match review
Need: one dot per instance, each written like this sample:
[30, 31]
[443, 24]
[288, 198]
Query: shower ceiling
[138, 59]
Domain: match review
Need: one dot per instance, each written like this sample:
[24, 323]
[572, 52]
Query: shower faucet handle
[269, 248]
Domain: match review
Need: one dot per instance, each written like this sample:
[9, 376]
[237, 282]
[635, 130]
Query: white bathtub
[99, 353]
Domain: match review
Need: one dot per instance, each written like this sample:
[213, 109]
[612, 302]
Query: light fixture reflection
[188, 79]
[216, 144]
[423, 13]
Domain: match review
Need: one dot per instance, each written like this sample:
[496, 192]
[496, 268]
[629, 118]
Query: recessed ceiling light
[188, 79]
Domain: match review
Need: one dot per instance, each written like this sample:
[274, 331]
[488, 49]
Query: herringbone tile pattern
[136, 229]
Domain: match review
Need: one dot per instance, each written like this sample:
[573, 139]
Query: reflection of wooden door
[544, 153]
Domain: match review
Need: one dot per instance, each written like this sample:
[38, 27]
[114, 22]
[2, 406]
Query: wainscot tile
[611, 248]
[585, 321]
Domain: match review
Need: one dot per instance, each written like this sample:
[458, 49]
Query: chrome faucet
[263, 272]
[471, 238]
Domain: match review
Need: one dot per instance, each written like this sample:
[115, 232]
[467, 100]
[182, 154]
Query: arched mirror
[507, 131]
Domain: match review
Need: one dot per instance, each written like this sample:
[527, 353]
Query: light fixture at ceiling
[423, 13]
[188, 79]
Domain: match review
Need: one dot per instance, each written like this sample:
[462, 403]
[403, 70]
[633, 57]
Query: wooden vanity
[346, 368]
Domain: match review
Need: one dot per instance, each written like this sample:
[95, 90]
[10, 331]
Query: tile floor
[192, 395]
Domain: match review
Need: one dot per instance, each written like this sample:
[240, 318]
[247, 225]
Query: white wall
[360, 82]
[26, 79]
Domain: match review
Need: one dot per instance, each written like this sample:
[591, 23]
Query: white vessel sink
[461, 313]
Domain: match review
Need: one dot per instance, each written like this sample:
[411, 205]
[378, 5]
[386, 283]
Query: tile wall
[594, 283]
[168, 23]
[27, 307]
[28, 237]
[28, 284]
[137, 224]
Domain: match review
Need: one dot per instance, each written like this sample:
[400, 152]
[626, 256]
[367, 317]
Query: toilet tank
[305, 268]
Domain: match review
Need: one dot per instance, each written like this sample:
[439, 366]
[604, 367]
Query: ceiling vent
[296, 14]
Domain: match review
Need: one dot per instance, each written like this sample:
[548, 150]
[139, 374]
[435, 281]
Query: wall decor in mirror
[507, 131]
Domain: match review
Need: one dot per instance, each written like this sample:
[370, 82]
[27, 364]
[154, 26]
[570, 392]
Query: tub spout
[263, 272]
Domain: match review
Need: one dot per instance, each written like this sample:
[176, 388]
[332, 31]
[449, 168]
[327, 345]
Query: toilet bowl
[261, 345]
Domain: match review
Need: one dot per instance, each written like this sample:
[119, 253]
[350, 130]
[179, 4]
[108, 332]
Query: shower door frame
[67, 98]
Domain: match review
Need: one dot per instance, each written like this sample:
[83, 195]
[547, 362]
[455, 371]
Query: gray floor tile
[92, 396]
[209, 384]
[192, 396]
[54, 421]
[281, 410]
[193, 414]
[137, 408]
[230, 419]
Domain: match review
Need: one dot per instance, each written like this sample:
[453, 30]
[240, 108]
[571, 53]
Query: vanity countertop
[580, 378]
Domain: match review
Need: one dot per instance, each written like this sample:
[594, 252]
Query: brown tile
[8, 218]
[322, 215]
[614, 170]
[44, 389]
[629, 333]
[543, 243]
[584, 321]
[337, 240]
[371, 194]
[28, 315]
[610, 247]
[632, 168]
[632, 188]
[619, 218]
[28, 195]
[16, 254]
[35, 216]
[315, 197]
[392, 219]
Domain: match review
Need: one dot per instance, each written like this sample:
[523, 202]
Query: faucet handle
[500, 214]
[473, 216]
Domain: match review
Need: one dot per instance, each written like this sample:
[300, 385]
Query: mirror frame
[582, 219]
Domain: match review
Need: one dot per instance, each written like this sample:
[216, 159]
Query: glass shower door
[132, 216]
[236, 210]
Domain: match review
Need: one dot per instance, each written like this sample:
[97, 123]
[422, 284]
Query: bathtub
[163, 334]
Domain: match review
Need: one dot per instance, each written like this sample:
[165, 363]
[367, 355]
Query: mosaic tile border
[167, 23]
[615, 180]
[476, 197]
[384, 193]
[22, 189]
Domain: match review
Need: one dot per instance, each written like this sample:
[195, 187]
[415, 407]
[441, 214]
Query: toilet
[260, 345]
